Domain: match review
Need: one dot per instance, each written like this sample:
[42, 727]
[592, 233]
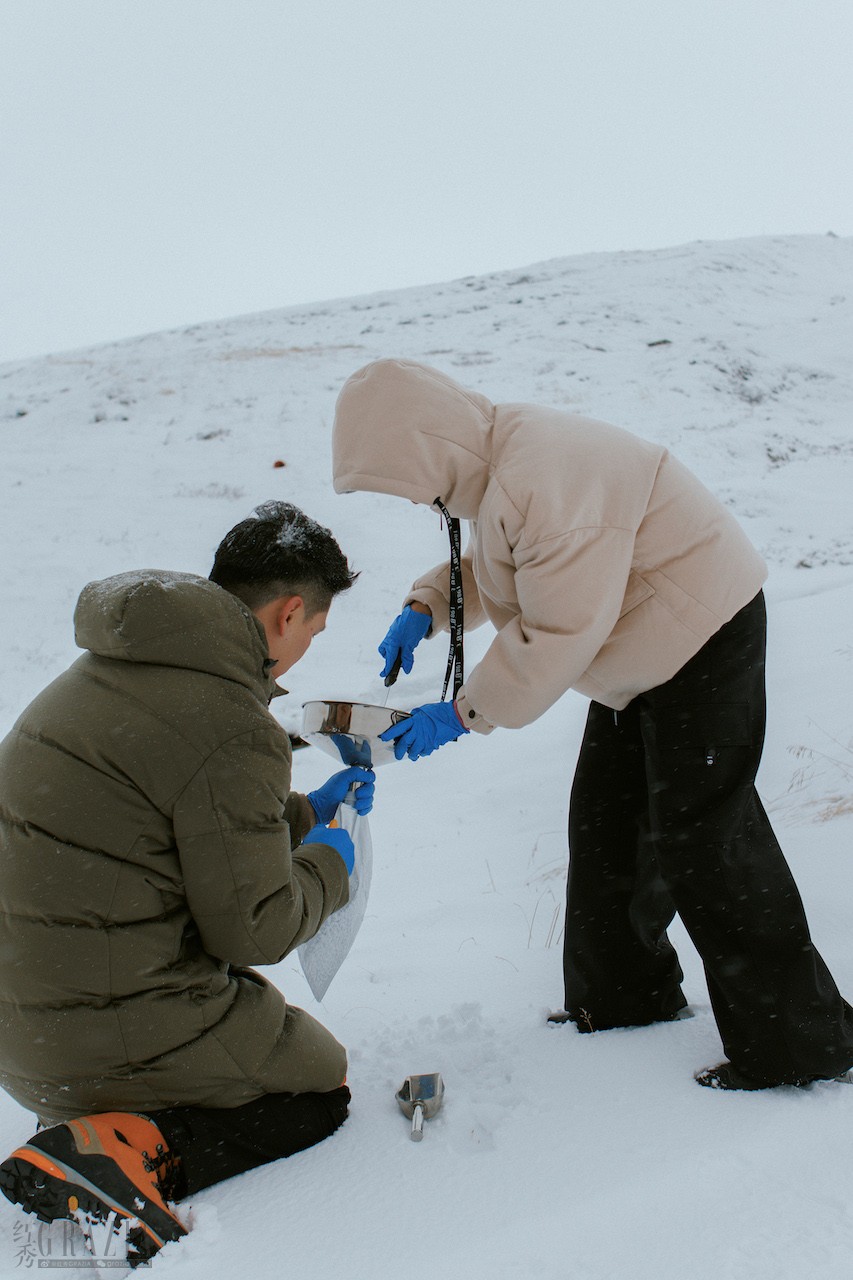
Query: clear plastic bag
[322, 955]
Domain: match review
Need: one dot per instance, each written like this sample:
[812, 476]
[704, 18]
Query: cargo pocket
[704, 730]
[702, 774]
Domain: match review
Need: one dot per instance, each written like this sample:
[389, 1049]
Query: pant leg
[215, 1143]
[779, 1012]
[620, 968]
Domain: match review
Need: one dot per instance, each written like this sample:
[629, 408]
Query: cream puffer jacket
[602, 562]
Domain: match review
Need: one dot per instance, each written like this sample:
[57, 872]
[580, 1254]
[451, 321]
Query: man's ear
[286, 612]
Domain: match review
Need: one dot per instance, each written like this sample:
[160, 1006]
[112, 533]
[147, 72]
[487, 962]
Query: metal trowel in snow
[420, 1097]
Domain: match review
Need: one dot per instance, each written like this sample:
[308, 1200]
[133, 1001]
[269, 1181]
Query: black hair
[279, 551]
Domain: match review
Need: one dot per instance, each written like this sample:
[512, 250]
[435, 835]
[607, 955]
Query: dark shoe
[91, 1168]
[585, 1025]
[726, 1076]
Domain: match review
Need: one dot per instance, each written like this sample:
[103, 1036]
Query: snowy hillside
[556, 1156]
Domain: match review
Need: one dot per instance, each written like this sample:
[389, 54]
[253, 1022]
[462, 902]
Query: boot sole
[727, 1079]
[50, 1189]
[560, 1017]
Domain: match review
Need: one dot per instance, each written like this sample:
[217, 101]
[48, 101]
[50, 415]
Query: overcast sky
[170, 161]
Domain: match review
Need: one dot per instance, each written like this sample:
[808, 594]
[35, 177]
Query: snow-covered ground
[556, 1156]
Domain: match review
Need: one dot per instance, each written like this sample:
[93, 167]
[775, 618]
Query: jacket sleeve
[433, 590]
[570, 592]
[254, 892]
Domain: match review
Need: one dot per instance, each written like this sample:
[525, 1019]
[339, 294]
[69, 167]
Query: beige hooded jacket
[602, 562]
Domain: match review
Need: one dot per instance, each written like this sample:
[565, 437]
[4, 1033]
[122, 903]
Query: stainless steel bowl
[349, 731]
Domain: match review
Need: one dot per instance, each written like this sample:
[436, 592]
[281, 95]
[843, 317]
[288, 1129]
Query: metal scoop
[420, 1097]
[350, 731]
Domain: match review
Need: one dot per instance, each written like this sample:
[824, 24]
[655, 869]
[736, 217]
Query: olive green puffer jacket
[149, 849]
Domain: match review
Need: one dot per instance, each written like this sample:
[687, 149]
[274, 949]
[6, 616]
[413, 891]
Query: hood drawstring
[456, 656]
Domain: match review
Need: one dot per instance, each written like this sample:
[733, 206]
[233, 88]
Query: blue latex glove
[325, 800]
[406, 631]
[426, 729]
[336, 838]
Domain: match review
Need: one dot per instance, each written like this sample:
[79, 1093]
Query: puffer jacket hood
[408, 430]
[174, 620]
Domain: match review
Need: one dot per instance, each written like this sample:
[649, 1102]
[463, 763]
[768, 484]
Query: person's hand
[325, 800]
[336, 838]
[406, 631]
[426, 729]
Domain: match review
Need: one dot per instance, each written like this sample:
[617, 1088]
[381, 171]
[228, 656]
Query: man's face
[290, 632]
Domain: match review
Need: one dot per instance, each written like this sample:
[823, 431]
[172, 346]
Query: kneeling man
[150, 850]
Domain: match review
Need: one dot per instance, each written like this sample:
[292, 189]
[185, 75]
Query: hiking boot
[96, 1166]
[726, 1076]
[585, 1025]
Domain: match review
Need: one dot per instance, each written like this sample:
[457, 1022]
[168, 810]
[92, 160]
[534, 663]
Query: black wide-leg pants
[215, 1143]
[664, 817]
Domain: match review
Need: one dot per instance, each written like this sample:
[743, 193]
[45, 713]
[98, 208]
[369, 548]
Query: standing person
[607, 567]
[150, 850]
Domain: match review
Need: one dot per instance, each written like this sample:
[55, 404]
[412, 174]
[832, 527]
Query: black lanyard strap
[456, 656]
